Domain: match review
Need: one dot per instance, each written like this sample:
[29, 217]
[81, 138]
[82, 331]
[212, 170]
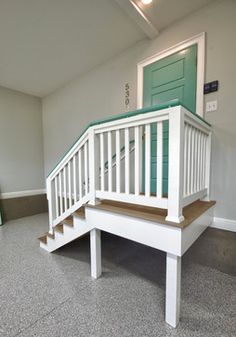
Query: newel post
[93, 166]
[50, 204]
[176, 165]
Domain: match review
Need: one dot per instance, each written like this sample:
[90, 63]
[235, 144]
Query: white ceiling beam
[135, 13]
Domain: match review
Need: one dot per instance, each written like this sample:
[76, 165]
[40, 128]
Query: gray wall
[101, 93]
[21, 150]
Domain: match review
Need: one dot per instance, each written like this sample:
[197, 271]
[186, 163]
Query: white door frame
[197, 39]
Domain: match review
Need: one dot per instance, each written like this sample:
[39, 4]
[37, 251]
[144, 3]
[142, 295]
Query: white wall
[101, 93]
[21, 150]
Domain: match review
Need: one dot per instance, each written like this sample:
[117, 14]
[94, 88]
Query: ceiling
[47, 43]
[162, 13]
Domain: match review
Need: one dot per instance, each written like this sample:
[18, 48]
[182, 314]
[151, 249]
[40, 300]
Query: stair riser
[63, 240]
[78, 222]
[46, 247]
[80, 228]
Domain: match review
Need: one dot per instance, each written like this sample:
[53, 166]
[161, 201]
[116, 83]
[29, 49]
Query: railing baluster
[198, 160]
[127, 162]
[159, 164]
[80, 174]
[65, 187]
[137, 145]
[109, 150]
[147, 159]
[86, 167]
[204, 161]
[75, 178]
[189, 159]
[102, 162]
[192, 160]
[195, 161]
[56, 195]
[60, 192]
[70, 183]
[117, 161]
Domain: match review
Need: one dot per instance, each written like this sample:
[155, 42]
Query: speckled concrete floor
[52, 295]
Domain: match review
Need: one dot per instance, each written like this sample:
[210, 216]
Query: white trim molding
[225, 224]
[19, 194]
[197, 39]
[139, 17]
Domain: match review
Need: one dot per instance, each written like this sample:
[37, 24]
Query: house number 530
[127, 96]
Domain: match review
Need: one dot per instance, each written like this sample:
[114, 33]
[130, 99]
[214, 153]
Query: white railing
[82, 175]
[197, 146]
[189, 161]
[68, 184]
[127, 182]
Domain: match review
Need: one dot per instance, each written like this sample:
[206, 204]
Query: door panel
[172, 72]
[168, 95]
[169, 78]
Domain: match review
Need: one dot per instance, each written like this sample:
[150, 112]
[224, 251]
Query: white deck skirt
[169, 239]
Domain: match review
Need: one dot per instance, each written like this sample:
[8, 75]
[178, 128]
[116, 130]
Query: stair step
[51, 236]
[68, 222]
[80, 213]
[43, 239]
[59, 228]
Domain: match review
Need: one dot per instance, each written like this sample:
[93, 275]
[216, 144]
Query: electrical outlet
[211, 106]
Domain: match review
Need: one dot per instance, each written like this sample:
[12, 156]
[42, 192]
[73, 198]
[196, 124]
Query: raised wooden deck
[190, 212]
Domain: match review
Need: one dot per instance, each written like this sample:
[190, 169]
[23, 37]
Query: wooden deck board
[190, 212]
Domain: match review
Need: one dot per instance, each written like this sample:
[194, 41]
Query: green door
[169, 78]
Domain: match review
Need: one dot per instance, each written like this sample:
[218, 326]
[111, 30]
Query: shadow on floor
[215, 249]
[137, 259]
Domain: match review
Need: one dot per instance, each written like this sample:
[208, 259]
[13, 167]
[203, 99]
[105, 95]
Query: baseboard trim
[19, 194]
[225, 224]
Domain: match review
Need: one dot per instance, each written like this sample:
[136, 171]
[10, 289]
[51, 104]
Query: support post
[173, 287]
[176, 165]
[95, 253]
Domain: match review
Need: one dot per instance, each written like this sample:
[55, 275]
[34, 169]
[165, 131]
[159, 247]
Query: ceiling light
[146, 2]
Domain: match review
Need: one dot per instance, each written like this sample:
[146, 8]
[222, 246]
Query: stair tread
[59, 228]
[80, 213]
[68, 222]
[43, 239]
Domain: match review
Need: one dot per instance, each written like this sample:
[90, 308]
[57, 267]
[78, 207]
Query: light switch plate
[211, 106]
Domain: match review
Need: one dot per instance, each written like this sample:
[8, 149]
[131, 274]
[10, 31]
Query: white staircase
[104, 184]
[68, 230]
[108, 161]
